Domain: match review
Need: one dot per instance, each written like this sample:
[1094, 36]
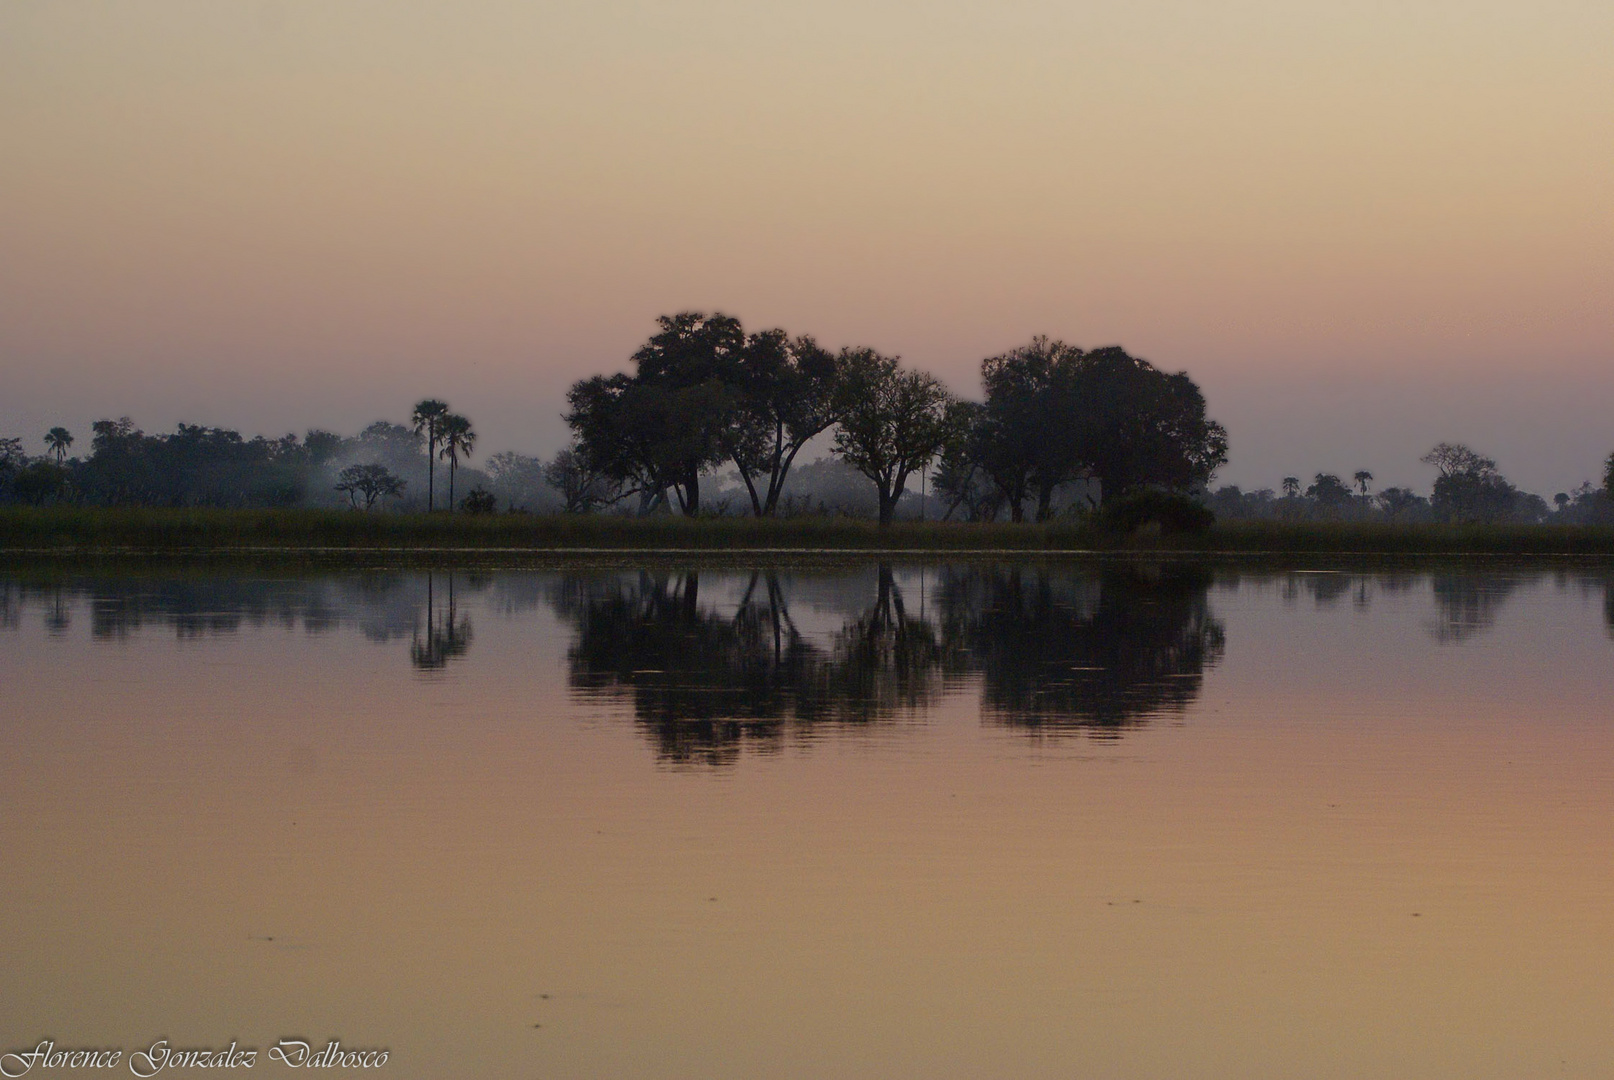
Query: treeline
[708, 403]
[1468, 489]
[712, 419]
[705, 394]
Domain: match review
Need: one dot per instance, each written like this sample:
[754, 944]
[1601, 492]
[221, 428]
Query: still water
[860, 820]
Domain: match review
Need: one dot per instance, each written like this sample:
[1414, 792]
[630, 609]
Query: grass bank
[58, 531]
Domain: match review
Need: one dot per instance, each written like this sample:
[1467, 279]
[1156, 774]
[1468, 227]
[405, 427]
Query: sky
[1361, 227]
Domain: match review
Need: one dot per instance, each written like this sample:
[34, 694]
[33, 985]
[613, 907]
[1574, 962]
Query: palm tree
[429, 415]
[59, 439]
[458, 439]
[1363, 478]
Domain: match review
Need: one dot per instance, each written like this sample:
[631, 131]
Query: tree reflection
[705, 682]
[1056, 651]
[1099, 653]
[1466, 604]
[447, 633]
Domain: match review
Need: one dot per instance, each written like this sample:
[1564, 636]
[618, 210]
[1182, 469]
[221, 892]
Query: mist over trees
[713, 419]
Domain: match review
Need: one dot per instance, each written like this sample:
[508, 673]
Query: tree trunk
[888, 507]
[1045, 498]
[751, 488]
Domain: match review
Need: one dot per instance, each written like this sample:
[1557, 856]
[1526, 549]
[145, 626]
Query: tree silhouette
[368, 482]
[1469, 487]
[1062, 651]
[788, 395]
[443, 639]
[59, 439]
[582, 485]
[479, 502]
[703, 682]
[1397, 500]
[1291, 487]
[458, 441]
[428, 416]
[1363, 478]
[1025, 438]
[648, 437]
[892, 423]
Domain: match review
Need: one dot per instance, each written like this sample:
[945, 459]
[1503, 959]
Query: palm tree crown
[59, 439]
[458, 439]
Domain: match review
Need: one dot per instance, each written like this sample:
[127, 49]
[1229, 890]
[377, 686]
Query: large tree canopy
[1023, 436]
[704, 391]
[1135, 426]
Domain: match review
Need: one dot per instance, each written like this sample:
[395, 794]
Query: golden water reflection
[968, 820]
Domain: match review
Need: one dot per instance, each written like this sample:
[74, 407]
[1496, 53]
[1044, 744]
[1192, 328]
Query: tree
[59, 439]
[458, 440]
[1469, 487]
[1027, 437]
[1291, 487]
[582, 485]
[1608, 476]
[368, 482]
[1397, 500]
[1329, 492]
[1452, 459]
[892, 422]
[479, 502]
[428, 415]
[1135, 426]
[518, 480]
[12, 462]
[1363, 478]
[787, 395]
[650, 438]
[688, 403]
[960, 480]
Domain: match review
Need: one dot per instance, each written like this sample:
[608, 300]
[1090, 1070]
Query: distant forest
[712, 420]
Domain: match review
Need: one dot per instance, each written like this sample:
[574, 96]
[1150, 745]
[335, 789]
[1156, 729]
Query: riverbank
[26, 532]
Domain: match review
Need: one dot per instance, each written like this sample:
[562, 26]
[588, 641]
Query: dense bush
[1173, 512]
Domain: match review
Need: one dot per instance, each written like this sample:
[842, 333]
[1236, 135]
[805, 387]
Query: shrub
[1172, 511]
[479, 502]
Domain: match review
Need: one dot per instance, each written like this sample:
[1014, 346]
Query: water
[921, 820]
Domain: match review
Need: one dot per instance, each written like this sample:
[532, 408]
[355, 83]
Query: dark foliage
[1172, 512]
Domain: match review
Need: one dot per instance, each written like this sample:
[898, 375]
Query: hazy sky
[1362, 226]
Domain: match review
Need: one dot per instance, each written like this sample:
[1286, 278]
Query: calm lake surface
[903, 820]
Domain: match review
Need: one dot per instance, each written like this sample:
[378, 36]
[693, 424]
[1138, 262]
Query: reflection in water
[1054, 650]
[713, 662]
[703, 682]
[1058, 651]
[1467, 604]
[447, 633]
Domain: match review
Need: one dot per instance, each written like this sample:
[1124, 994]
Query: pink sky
[1362, 228]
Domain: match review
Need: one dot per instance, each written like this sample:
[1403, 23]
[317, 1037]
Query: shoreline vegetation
[333, 535]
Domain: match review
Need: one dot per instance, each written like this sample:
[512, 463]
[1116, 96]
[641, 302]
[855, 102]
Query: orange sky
[1362, 227]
